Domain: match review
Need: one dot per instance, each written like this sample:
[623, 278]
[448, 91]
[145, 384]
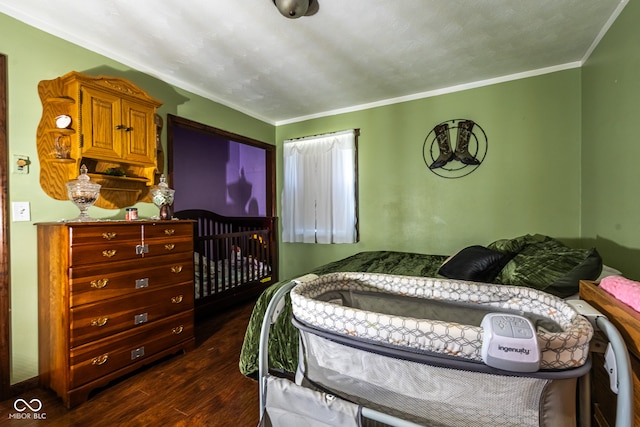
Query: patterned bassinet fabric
[447, 322]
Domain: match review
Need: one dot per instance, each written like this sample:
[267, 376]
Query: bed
[536, 261]
[235, 258]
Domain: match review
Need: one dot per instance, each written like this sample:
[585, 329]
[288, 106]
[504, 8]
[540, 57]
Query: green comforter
[283, 343]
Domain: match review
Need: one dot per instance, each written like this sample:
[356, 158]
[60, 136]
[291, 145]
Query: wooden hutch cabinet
[113, 296]
[117, 129]
[107, 123]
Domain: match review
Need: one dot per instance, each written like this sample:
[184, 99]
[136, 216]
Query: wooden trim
[357, 184]
[5, 282]
[24, 386]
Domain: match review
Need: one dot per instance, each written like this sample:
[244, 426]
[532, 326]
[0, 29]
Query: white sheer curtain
[319, 195]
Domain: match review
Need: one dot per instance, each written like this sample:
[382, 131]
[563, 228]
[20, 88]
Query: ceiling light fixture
[296, 8]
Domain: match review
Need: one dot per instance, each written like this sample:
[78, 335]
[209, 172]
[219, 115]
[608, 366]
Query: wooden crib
[235, 258]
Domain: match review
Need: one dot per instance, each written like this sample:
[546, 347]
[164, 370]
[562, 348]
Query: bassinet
[411, 347]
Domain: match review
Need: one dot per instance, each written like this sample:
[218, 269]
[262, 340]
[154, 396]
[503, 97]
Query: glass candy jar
[162, 197]
[83, 193]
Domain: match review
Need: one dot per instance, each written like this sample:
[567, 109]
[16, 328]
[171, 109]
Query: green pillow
[547, 264]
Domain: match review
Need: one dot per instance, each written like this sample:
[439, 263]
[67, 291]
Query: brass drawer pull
[99, 321]
[100, 360]
[177, 300]
[176, 269]
[169, 246]
[109, 235]
[100, 283]
[177, 330]
[109, 252]
[169, 231]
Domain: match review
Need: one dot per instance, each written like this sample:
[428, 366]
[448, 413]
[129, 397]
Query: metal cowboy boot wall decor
[444, 145]
[462, 145]
[467, 155]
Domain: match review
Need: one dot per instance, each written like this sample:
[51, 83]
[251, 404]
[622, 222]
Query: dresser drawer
[91, 322]
[105, 244]
[168, 229]
[94, 234]
[92, 283]
[99, 358]
[168, 246]
[104, 253]
[108, 252]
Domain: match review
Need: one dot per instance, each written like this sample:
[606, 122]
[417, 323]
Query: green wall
[528, 183]
[611, 146]
[34, 56]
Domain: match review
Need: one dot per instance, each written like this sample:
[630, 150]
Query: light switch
[21, 211]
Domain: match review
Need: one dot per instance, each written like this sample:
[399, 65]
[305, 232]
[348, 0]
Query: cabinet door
[139, 135]
[102, 126]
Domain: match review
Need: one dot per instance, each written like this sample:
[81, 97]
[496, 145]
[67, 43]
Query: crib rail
[234, 257]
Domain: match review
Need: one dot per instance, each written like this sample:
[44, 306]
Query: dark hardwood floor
[201, 388]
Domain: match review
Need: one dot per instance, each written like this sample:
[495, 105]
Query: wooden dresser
[627, 321]
[113, 296]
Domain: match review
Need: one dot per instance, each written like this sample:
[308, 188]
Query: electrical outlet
[21, 211]
[20, 164]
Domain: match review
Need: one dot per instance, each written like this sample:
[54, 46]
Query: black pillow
[475, 263]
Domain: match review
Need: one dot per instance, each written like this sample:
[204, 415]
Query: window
[319, 198]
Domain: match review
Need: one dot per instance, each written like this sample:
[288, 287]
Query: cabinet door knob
[100, 360]
[169, 246]
[176, 269]
[99, 321]
[120, 127]
[177, 299]
[109, 253]
[169, 231]
[177, 330]
[109, 235]
[100, 283]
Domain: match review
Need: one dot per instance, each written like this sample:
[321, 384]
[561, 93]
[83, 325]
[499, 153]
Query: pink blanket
[625, 290]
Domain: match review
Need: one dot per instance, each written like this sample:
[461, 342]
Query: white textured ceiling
[351, 53]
